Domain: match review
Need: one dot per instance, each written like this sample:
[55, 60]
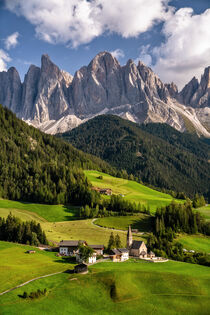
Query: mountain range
[156, 154]
[55, 101]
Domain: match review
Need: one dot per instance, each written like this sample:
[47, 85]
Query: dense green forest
[41, 168]
[156, 154]
[172, 219]
[14, 230]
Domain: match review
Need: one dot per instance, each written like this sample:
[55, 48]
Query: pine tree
[111, 243]
[118, 241]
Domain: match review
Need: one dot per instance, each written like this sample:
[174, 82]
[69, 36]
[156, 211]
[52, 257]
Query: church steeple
[129, 237]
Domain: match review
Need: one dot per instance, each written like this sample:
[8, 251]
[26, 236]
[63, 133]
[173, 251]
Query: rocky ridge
[54, 101]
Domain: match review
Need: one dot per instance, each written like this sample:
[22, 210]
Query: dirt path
[22, 284]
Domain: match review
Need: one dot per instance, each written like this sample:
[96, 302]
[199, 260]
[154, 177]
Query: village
[135, 249]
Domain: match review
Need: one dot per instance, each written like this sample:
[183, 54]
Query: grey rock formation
[197, 94]
[53, 100]
[11, 89]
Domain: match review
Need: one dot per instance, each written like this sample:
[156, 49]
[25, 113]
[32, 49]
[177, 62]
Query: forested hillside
[41, 168]
[155, 154]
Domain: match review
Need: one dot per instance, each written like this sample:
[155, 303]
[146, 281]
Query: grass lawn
[16, 266]
[199, 243]
[119, 288]
[132, 191]
[81, 230]
[51, 213]
[142, 222]
[205, 211]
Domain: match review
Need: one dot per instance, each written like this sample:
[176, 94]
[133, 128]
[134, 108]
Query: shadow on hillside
[143, 225]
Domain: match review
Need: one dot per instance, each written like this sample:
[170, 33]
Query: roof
[119, 251]
[143, 253]
[71, 243]
[151, 253]
[81, 266]
[123, 250]
[136, 244]
[96, 246]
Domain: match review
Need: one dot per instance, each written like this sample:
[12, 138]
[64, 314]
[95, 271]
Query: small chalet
[136, 248]
[106, 191]
[99, 249]
[151, 255]
[81, 268]
[69, 248]
[119, 254]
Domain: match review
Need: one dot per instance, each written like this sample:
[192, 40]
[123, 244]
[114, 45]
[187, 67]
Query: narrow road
[22, 284]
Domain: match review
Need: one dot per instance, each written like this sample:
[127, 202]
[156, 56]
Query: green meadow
[131, 190]
[118, 288]
[68, 230]
[17, 266]
[205, 211]
[142, 222]
[51, 213]
[199, 243]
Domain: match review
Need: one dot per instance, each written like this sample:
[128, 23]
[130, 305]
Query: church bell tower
[129, 237]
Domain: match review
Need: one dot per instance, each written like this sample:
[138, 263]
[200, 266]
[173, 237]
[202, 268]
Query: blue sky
[173, 37]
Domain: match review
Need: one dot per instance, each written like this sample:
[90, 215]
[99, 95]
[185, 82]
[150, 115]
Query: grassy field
[199, 243]
[51, 213]
[81, 230]
[69, 230]
[16, 266]
[142, 222]
[119, 288]
[132, 191]
[205, 211]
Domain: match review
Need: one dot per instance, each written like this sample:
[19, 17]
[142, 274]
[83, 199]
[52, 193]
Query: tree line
[37, 167]
[12, 229]
[114, 206]
[172, 219]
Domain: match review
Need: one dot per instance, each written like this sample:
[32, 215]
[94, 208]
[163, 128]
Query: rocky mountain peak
[172, 88]
[205, 79]
[51, 99]
[104, 60]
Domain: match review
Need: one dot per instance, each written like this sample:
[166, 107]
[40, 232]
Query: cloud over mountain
[77, 22]
[187, 48]
[11, 41]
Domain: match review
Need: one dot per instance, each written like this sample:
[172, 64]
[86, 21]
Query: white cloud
[12, 40]
[80, 21]
[144, 56]
[4, 58]
[186, 51]
[118, 53]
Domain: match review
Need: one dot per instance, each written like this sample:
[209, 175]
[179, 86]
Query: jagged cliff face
[54, 101]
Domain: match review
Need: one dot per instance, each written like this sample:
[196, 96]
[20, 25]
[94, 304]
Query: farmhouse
[90, 260]
[69, 248]
[119, 254]
[99, 249]
[103, 191]
[136, 248]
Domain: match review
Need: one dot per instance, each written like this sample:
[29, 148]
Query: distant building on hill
[136, 248]
[103, 191]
